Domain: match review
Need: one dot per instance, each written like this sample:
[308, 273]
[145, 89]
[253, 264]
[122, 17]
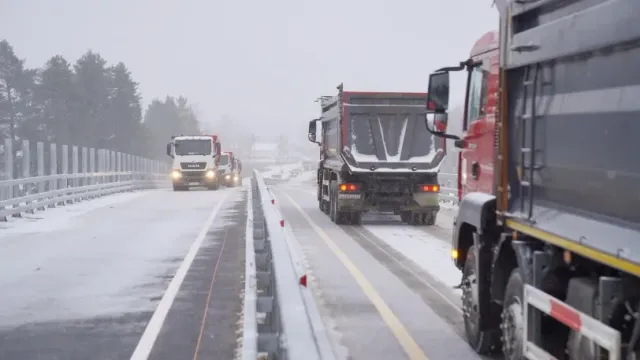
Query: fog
[259, 63]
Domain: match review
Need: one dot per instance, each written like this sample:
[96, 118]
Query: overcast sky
[263, 63]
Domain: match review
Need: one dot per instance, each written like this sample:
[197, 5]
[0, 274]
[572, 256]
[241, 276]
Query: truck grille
[193, 166]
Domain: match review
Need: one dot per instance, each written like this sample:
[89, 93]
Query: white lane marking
[151, 332]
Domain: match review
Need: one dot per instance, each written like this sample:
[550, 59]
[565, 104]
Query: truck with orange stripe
[547, 233]
[377, 155]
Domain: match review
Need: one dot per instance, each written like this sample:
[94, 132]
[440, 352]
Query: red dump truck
[547, 234]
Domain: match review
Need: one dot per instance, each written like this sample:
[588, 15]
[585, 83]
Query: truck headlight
[210, 174]
[227, 177]
[176, 174]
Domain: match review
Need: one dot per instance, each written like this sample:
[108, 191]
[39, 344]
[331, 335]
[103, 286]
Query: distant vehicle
[393, 168]
[228, 170]
[195, 161]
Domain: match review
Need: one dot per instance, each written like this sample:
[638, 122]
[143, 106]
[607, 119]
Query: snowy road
[385, 288]
[83, 281]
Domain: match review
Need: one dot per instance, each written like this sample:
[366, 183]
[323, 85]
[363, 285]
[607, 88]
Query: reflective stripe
[591, 328]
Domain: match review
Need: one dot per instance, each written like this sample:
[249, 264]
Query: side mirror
[218, 149]
[169, 150]
[437, 125]
[217, 159]
[438, 93]
[312, 131]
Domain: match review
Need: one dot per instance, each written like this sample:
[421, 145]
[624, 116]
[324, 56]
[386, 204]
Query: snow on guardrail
[281, 318]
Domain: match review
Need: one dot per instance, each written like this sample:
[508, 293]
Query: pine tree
[16, 93]
[53, 96]
[125, 111]
[92, 108]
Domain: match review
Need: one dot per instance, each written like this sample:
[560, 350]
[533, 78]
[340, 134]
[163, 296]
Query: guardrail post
[92, 167]
[100, 163]
[112, 165]
[136, 168]
[53, 169]
[40, 162]
[65, 169]
[74, 166]
[118, 163]
[85, 166]
[107, 165]
[26, 173]
[7, 191]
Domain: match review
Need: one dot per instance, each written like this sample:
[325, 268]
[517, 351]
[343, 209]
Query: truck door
[475, 163]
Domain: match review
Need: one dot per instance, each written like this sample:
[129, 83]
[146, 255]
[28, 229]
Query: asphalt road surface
[155, 272]
[378, 303]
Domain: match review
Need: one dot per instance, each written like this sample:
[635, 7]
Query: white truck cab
[228, 170]
[195, 161]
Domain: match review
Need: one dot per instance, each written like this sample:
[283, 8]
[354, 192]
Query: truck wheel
[180, 188]
[512, 320]
[405, 216]
[430, 219]
[415, 218]
[482, 342]
[356, 218]
[336, 216]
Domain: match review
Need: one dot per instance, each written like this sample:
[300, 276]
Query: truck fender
[476, 214]
[508, 255]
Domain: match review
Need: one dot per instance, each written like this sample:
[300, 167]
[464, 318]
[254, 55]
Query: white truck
[228, 170]
[195, 161]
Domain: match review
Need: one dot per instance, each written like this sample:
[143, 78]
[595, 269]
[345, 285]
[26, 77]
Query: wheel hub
[512, 330]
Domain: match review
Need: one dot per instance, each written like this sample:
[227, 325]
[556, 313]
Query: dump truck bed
[582, 127]
[387, 132]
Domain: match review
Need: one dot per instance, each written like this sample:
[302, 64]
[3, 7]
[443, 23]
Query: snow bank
[63, 217]
[430, 253]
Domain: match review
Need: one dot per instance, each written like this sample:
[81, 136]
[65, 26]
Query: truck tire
[180, 188]
[511, 317]
[334, 214]
[355, 218]
[415, 218]
[430, 219]
[482, 342]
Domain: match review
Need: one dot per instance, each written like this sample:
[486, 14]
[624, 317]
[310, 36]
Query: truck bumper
[417, 202]
[195, 178]
[230, 180]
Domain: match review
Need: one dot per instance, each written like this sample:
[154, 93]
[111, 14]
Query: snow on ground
[106, 257]
[307, 177]
[63, 217]
[282, 170]
[427, 251]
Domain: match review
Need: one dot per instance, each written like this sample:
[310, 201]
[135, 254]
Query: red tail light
[349, 187]
[429, 188]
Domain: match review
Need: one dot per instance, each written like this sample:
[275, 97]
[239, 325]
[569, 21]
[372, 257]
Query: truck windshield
[224, 159]
[193, 147]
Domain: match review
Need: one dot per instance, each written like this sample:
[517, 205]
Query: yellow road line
[401, 333]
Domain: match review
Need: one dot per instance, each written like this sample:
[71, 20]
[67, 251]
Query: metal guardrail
[97, 185]
[79, 174]
[447, 193]
[281, 320]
